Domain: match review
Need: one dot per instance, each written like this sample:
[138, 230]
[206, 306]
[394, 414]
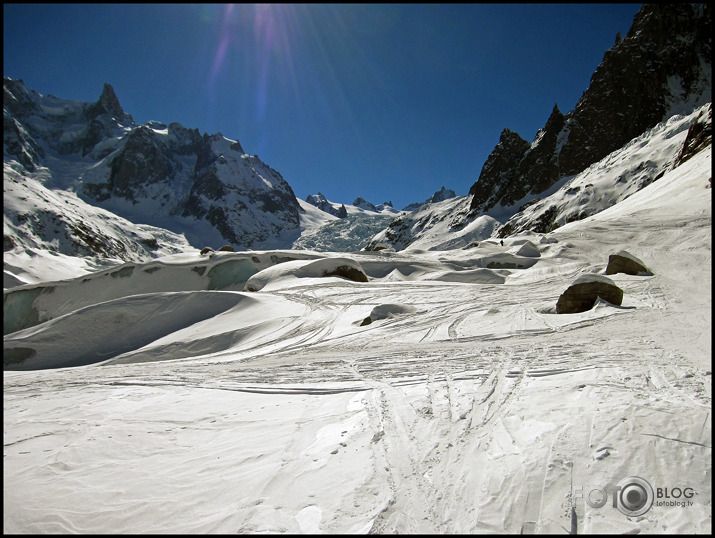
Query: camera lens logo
[635, 496]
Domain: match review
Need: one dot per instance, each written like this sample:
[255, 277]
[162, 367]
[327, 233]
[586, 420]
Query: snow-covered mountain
[359, 207]
[356, 223]
[661, 69]
[202, 186]
[321, 202]
[439, 196]
[645, 159]
[384, 208]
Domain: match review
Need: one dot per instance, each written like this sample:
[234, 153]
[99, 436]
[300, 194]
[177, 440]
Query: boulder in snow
[625, 262]
[585, 291]
[383, 311]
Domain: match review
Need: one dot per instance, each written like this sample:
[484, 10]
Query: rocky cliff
[205, 186]
[662, 67]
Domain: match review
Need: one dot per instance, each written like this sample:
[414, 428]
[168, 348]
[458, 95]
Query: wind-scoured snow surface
[162, 397]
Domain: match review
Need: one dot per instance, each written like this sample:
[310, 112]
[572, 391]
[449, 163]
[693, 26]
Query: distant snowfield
[170, 400]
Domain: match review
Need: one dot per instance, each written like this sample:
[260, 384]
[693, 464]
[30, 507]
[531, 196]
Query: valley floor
[480, 410]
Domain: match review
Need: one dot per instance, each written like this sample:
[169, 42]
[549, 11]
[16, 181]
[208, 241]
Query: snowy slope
[466, 405]
[644, 159]
[346, 234]
[619, 175]
[166, 176]
[51, 234]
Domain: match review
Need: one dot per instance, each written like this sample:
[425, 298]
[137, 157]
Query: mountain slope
[613, 179]
[165, 176]
[662, 67]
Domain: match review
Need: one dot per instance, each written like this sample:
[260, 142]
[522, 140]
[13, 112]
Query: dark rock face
[521, 171]
[499, 170]
[106, 104]
[165, 172]
[700, 136]
[664, 62]
[141, 163]
[322, 203]
[624, 262]
[351, 273]
[585, 291]
[657, 65]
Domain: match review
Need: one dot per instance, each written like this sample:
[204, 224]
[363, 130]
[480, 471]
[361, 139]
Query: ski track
[443, 412]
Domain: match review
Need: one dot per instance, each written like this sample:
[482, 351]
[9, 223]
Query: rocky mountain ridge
[321, 202]
[639, 163]
[662, 67]
[439, 196]
[204, 186]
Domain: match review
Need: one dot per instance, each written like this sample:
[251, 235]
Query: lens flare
[288, 62]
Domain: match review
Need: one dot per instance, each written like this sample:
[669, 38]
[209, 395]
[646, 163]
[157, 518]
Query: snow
[161, 396]
[468, 406]
[291, 272]
[613, 179]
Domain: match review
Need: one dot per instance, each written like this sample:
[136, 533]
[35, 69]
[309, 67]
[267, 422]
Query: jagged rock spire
[662, 64]
[107, 103]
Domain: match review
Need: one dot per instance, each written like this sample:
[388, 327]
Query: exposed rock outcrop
[171, 176]
[662, 67]
[625, 262]
[700, 136]
[585, 291]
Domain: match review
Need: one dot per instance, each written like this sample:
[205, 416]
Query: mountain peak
[108, 102]
[661, 68]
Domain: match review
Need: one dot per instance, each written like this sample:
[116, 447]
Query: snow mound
[102, 331]
[507, 260]
[387, 311]
[473, 276]
[29, 305]
[528, 249]
[283, 273]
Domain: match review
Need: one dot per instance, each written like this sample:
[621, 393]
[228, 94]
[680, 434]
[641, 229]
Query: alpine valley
[533, 356]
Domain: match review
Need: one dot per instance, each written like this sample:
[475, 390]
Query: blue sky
[387, 102]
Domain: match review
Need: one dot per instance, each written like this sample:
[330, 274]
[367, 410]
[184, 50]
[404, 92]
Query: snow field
[475, 408]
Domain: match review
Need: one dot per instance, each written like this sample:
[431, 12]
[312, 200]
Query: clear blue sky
[387, 102]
